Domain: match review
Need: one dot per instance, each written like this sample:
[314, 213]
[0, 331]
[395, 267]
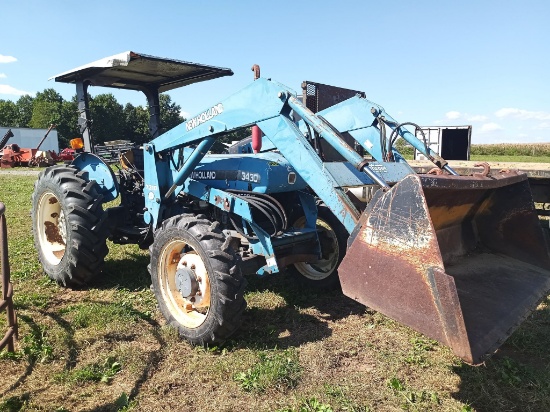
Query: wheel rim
[322, 268]
[52, 228]
[190, 311]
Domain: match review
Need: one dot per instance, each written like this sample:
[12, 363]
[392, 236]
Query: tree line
[111, 120]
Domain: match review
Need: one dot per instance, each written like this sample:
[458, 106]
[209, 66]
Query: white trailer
[450, 142]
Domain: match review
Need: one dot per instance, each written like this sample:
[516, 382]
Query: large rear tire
[196, 279]
[323, 274]
[67, 225]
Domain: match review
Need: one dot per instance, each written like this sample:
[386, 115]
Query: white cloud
[490, 127]
[3, 76]
[7, 59]
[6, 89]
[522, 114]
[477, 118]
[185, 114]
[453, 115]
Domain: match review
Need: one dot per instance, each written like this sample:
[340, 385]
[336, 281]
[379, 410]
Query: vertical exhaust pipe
[256, 132]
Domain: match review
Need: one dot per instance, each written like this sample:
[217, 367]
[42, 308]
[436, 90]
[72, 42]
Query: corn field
[501, 149]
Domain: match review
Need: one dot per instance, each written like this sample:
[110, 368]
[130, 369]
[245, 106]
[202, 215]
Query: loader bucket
[461, 259]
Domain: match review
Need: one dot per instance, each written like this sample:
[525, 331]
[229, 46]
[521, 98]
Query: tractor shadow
[303, 317]
[300, 315]
[516, 377]
[129, 272]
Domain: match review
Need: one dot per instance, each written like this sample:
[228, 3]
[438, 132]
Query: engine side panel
[262, 173]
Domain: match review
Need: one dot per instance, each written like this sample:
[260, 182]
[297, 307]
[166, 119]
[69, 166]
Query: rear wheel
[323, 274]
[196, 279]
[67, 225]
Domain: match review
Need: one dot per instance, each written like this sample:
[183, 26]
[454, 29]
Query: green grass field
[510, 158]
[106, 348]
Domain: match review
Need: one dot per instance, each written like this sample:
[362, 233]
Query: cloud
[477, 118]
[3, 76]
[7, 59]
[490, 127]
[453, 115]
[6, 89]
[185, 114]
[522, 114]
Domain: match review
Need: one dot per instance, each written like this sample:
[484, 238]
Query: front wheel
[333, 237]
[67, 225]
[196, 279]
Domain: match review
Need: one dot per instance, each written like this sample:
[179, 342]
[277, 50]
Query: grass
[107, 348]
[511, 158]
[274, 369]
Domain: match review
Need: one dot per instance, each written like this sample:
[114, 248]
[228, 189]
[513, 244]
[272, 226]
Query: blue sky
[485, 63]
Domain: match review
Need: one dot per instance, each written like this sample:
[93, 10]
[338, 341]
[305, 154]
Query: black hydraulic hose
[312, 139]
[395, 132]
[257, 204]
[273, 203]
[277, 213]
[240, 231]
[382, 127]
[267, 206]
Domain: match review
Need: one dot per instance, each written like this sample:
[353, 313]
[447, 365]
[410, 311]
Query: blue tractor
[324, 194]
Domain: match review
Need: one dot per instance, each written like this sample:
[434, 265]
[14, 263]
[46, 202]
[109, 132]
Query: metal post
[7, 289]
[153, 101]
[84, 121]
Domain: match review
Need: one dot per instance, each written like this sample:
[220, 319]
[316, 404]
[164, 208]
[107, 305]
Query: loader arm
[267, 104]
[361, 118]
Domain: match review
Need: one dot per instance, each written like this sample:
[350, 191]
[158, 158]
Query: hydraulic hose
[395, 134]
[267, 206]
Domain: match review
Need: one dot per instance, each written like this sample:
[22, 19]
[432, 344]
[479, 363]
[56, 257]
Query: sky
[483, 63]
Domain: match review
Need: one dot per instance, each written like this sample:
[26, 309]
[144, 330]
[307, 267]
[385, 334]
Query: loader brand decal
[242, 175]
[204, 116]
[378, 168]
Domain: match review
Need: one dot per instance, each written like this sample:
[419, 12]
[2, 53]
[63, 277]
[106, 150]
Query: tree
[136, 127]
[24, 108]
[108, 118]
[8, 114]
[170, 113]
[49, 95]
[46, 109]
[44, 113]
[67, 126]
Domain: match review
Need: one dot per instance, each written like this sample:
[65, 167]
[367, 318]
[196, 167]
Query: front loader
[461, 259]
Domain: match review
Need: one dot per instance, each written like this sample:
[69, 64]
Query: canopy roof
[135, 71]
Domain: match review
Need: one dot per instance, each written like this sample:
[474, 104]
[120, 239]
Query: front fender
[99, 171]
